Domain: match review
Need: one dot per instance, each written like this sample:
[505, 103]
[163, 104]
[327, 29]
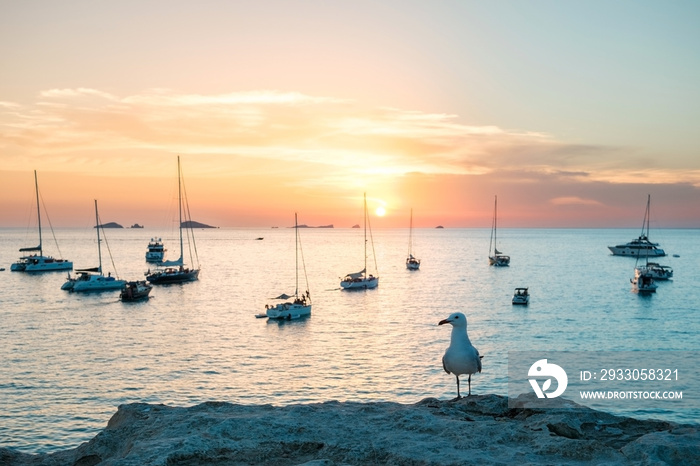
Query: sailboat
[92, 279]
[175, 271]
[39, 262]
[361, 280]
[644, 275]
[411, 262]
[496, 258]
[642, 245]
[300, 306]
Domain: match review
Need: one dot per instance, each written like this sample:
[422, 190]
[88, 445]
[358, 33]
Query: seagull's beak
[446, 321]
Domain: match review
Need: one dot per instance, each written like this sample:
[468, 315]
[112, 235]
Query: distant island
[136, 225]
[193, 224]
[356, 226]
[109, 225]
[439, 226]
[307, 226]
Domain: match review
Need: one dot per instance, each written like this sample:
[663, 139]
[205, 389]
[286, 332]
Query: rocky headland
[480, 429]
[193, 224]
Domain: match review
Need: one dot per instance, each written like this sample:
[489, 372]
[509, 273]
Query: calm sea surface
[68, 360]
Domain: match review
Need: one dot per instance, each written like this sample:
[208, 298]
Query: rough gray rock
[473, 430]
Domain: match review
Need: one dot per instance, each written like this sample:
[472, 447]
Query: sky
[570, 112]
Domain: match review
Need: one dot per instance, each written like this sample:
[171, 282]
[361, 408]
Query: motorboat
[38, 262]
[92, 279]
[644, 283]
[296, 305]
[155, 251]
[641, 246]
[362, 280]
[656, 270]
[638, 247]
[496, 257]
[412, 263]
[521, 296]
[135, 291]
[175, 271]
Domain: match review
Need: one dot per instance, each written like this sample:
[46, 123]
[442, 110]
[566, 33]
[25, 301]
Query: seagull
[460, 357]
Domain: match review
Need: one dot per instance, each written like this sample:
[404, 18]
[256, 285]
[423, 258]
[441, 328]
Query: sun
[380, 211]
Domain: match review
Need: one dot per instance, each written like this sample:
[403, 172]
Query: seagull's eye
[456, 317]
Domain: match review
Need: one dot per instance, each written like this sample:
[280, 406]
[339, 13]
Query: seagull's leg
[458, 395]
[470, 384]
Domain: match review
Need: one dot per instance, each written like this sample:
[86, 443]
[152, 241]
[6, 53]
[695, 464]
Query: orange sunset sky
[570, 112]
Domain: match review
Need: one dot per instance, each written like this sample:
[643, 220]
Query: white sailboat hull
[412, 264]
[93, 282]
[657, 272]
[521, 300]
[365, 283]
[41, 264]
[288, 311]
[499, 260]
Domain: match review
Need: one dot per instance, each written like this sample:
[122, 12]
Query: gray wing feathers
[443, 365]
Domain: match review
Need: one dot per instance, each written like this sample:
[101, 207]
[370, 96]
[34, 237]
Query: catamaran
[361, 280]
[175, 271]
[39, 262]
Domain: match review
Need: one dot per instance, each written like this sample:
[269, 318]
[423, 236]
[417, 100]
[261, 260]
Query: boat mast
[646, 217]
[179, 205]
[365, 196]
[495, 225]
[99, 250]
[296, 256]
[38, 212]
[410, 235]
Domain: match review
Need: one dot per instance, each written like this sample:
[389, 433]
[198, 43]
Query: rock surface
[473, 430]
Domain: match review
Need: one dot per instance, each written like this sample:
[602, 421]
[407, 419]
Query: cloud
[573, 200]
[298, 133]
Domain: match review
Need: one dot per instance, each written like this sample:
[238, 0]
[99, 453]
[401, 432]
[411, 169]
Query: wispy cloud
[296, 132]
[573, 200]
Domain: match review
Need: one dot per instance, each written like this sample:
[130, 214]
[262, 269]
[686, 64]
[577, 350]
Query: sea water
[69, 360]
